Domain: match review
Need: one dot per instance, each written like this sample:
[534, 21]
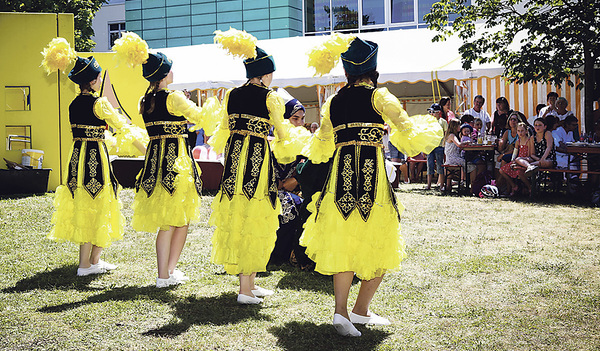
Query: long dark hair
[442, 103]
[86, 87]
[150, 94]
[372, 75]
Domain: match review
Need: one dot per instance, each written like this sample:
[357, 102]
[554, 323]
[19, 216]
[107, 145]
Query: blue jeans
[435, 160]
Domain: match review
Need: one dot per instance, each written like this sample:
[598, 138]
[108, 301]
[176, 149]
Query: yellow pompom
[131, 49]
[57, 55]
[237, 42]
[325, 56]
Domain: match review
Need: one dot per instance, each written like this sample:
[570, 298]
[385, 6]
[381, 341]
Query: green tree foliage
[536, 40]
[83, 10]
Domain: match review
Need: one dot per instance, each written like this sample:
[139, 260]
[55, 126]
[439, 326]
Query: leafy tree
[535, 40]
[84, 11]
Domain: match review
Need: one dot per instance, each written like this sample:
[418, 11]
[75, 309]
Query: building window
[115, 31]
[324, 16]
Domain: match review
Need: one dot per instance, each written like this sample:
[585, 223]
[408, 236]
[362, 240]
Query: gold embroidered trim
[159, 123]
[357, 124]
[86, 126]
[244, 115]
[88, 139]
[247, 132]
[155, 137]
[361, 143]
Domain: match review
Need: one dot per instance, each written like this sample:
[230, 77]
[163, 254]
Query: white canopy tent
[404, 56]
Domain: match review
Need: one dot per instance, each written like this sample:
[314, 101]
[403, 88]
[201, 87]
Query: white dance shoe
[373, 319]
[344, 327]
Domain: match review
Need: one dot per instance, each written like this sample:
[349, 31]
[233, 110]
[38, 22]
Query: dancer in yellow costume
[246, 208]
[88, 211]
[168, 188]
[354, 227]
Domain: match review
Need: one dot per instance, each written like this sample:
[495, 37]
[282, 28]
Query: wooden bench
[537, 181]
[452, 172]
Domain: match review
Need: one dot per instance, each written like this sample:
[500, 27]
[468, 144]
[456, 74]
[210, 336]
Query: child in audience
[477, 125]
[521, 152]
[452, 150]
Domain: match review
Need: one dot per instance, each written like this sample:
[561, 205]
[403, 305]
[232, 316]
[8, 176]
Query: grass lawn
[481, 274]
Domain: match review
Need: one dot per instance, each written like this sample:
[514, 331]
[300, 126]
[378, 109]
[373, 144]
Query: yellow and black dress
[355, 220]
[246, 209]
[87, 206]
[168, 188]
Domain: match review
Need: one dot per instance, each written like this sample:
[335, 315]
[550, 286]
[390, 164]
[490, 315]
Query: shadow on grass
[309, 336]
[295, 279]
[61, 278]
[219, 310]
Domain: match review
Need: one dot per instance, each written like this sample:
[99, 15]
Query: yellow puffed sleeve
[218, 139]
[289, 140]
[129, 139]
[322, 145]
[411, 135]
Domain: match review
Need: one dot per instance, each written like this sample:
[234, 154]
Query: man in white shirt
[477, 112]
[550, 108]
[562, 136]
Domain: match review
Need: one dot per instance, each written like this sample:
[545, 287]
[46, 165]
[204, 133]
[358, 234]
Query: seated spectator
[562, 113]
[506, 145]
[596, 114]
[452, 151]
[477, 128]
[477, 111]
[521, 152]
[532, 118]
[446, 104]
[500, 116]
[435, 159]
[415, 168]
[468, 119]
[465, 133]
[550, 108]
[290, 222]
[543, 155]
[562, 136]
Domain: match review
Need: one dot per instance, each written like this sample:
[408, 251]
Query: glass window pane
[317, 15]
[345, 14]
[113, 26]
[373, 12]
[403, 11]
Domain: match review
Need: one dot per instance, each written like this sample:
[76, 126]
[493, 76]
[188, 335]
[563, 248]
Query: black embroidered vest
[358, 132]
[88, 137]
[164, 130]
[248, 119]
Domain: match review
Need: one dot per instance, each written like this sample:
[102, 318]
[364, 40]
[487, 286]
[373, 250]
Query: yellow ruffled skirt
[162, 210]
[246, 229]
[369, 248]
[82, 219]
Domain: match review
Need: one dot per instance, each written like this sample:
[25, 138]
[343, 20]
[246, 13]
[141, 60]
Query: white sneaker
[261, 292]
[373, 319]
[344, 327]
[179, 275]
[530, 170]
[163, 283]
[248, 300]
[106, 265]
[93, 269]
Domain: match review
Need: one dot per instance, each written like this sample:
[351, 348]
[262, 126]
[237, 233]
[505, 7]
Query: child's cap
[434, 107]
[465, 125]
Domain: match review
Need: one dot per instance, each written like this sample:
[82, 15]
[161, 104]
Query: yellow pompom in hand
[237, 42]
[57, 55]
[131, 49]
[325, 56]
